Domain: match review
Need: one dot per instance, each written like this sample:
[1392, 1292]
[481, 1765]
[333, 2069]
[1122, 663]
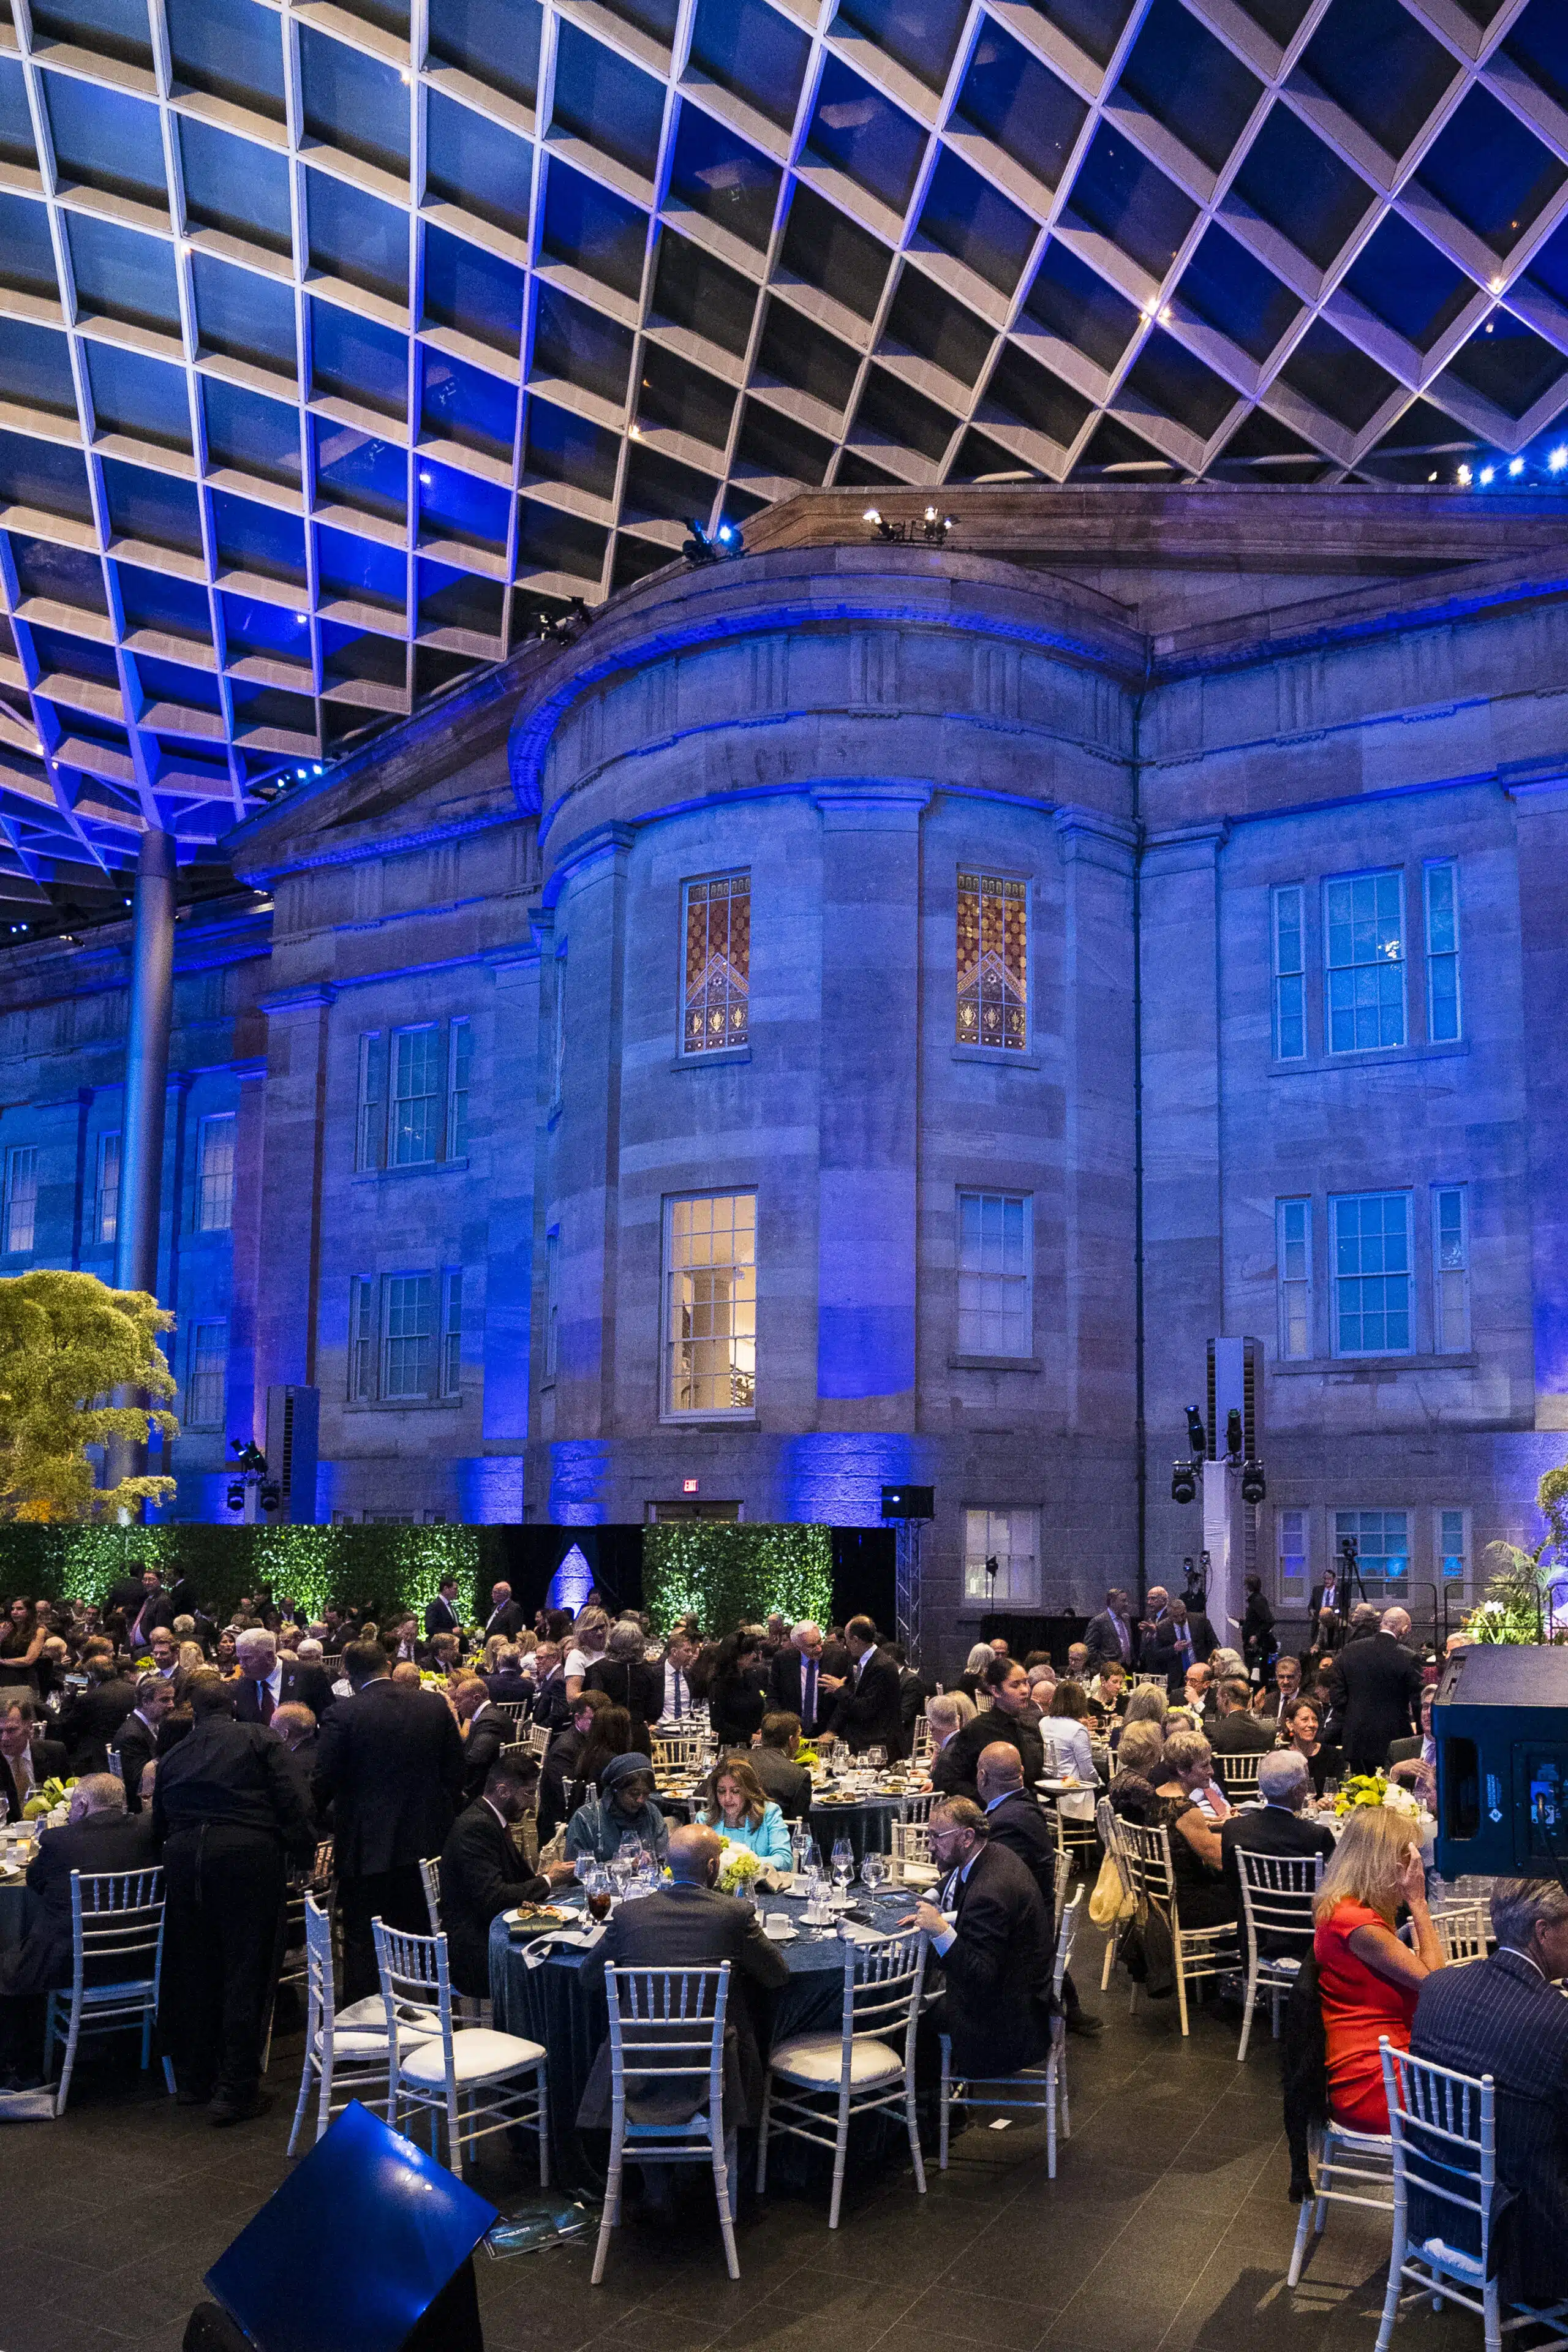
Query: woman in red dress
[1367, 1979]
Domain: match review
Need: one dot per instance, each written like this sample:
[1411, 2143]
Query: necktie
[680, 1691]
[809, 1693]
[264, 1701]
[1124, 1638]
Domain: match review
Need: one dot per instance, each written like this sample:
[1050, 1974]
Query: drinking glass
[876, 1758]
[843, 1863]
[599, 1893]
[582, 1869]
[873, 1871]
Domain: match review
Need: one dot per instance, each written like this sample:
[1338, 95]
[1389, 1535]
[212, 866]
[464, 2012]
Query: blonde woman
[1368, 1980]
[1146, 1703]
[1202, 1897]
[590, 1637]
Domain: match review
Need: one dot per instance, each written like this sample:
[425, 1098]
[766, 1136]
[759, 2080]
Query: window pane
[408, 1336]
[1451, 1546]
[1382, 1547]
[995, 1301]
[21, 1196]
[1451, 1279]
[1372, 1274]
[107, 1219]
[1291, 1534]
[361, 1339]
[993, 961]
[416, 1097]
[711, 1332]
[1366, 950]
[204, 1383]
[370, 1139]
[461, 1052]
[452, 1332]
[1008, 1539]
[718, 963]
[552, 1301]
[215, 1180]
[1289, 981]
[1442, 953]
[1295, 1279]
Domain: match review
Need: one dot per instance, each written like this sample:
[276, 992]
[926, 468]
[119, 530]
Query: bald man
[1017, 1821]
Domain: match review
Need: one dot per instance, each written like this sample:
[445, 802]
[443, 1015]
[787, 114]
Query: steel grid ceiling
[340, 340]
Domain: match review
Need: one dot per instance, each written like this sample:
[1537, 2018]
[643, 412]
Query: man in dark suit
[98, 1836]
[483, 1872]
[27, 1759]
[551, 1704]
[772, 1760]
[1275, 1827]
[1328, 1606]
[488, 1732]
[1012, 1716]
[89, 1721]
[268, 1681]
[441, 1615]
[1178, 1640]
[227, 1814]
[1236, 1730]
[687, 1924]
[1109, 1638]
[1375, 1685]
[391, 1763]
[505, 1617]
[296, 1728]
[1015, 1819]
[155, 1609]
[126, 1595]
[509, 1682]
[141, 1733]
[869, 1710]
[627, 1680]
[992, 1931]
[1505, 2017]
[801, 1682]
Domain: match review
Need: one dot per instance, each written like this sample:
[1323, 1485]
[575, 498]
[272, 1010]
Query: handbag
[1111, 1900]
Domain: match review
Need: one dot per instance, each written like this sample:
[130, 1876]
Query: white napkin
[573, 1940]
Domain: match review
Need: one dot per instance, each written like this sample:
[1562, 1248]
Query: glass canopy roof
[339, 342]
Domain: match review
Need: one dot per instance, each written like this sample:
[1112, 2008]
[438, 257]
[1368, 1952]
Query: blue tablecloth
[866, 1823]
[552, 2004]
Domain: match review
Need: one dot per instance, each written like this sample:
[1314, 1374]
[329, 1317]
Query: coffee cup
[777, 1925]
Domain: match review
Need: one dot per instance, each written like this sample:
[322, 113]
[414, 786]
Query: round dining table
[554, 2002]
[864, 1817]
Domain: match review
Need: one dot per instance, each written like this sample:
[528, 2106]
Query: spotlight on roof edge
[727, 540]
[1556, 461]
[932, 526]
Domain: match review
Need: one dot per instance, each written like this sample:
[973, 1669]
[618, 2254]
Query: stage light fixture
[1184, 1482]
[1233, 1434]
[1254, 1486]
[1197, 1434]
[1557, 460]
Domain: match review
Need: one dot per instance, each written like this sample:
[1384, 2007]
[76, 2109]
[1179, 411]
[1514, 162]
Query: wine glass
[873, 1871]
[799, 1847]
[876, 1758]
[843, 1864]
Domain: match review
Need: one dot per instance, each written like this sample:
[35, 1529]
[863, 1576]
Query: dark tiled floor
[1167, 2230]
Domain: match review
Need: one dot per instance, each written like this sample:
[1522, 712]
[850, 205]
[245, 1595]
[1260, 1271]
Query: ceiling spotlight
[1556, 461]
[1486, 475]
[700, 549]
[636, 433]
[302, 620]
[425, 477]
[1515, 467]
[1464, 476]
[317, 770]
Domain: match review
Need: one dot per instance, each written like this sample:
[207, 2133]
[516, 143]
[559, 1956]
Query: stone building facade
[870, 1012]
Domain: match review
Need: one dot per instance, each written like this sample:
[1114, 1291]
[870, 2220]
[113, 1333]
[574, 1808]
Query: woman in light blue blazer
[735, 1803]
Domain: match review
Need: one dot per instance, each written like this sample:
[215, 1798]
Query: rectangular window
[1383, 1550]
[551, 1302]
[1010, 1540]
[995, 1274]
[370, 1134]
[710, 1307]
[1441, 950]
[460, 1054]
[407, 1336]
[206, 1376]
[361, 1339]
[1451, 1270]
[1289, 973]
[716, 1002]
[1294, 1256]
[106, 1215]
[21, 1196]
[215, 1173]
[416, 1090]
[1364, 929]
[1451, 1547]
[452, 1331]
[1291, 1554]
[993, 961]
[1372, 1274]
[558, 1036]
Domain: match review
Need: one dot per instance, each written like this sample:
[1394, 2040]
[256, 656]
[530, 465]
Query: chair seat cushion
[478, 2055]
[371, 2014]
[1451, 2258]
[353, 2046]
[818, 2059]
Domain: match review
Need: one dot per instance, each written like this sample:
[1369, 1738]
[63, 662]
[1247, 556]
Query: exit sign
[689, 1485]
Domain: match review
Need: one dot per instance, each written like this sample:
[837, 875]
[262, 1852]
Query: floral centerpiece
[738, 1867]
[46, 1797]
[807, 1755]
[1377, 1789]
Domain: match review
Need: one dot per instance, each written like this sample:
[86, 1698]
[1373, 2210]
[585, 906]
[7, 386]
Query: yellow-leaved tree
[67, 1343]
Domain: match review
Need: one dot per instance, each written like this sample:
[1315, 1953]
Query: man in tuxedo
[267, 1681]
[676, 1696]
[1238, 1731]
[140, 1733]
[155, 1609]
[772, 1758]
[1178, 1640]
[992, 1931]
[1505, 2017]
[229, 1820]
[486, 1731]
[483, 1872]
[687, 1924]
[505, 1617]
[391, 1763]
[26, 1761]
[1286, 1684]
[89, 1721]
[1275, 1827]
[1375, 1686]
[1011, 1716]
[800, 1681]
[97, 1836]
[1109, 1636]
[869, 1710]
[441, 1615]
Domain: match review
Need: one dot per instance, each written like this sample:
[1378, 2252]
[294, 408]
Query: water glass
[843, 1863]
[873, 1871]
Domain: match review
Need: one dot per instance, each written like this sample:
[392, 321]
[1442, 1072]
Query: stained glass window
[711, 1319]
[993, 961]
[718, 963]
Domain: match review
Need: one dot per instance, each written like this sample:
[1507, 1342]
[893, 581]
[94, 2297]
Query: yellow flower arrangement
[738, 1867]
